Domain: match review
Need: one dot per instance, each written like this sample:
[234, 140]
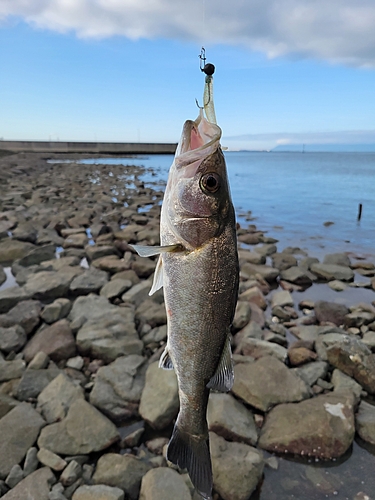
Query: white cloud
[339, 31]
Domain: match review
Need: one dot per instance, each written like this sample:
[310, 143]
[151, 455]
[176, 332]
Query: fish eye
[210, 182]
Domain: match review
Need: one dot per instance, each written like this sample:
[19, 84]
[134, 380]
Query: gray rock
[282, 298]
[268, 273]
[25, 231]
[163, 484]
[59, 309]
[49, 459]
[10, 297]
[94, 252]
[72, 472]
[267, 249]
[3, 276]
[92, 307]
[329, 272]
[11, 250]
[252, 257]
[56, 341]
[15, 476]
[296, 275]
[36, 485]
[151, 313]
[10, 370]
[19, 430]
[7, 403]
[82, 431]
[25, 314]
[283, 261]
[48, 285]
[237, 468]
[365, 422]
[319, 427]
[159, 402]
[78, 240]
[156, 335]
[91, 281]
[311, 372]
[230, 419]
[369, 340]
[121, 471]
[259, 348]
[254, 295]
[242, 315]
[137, 293]
[352, 357]
[118, 387]
[55, 400]
[98, 492]
[31, 461]
[326, 340]
[38, 255]
[338, 259]
[39, 362]
[306, 332]
[252, 330]
[338, 286]
[144, 267]
[115, 288]
[342, 382]
[12, 338]
[109, 337]
[268, 382]
[330, 312]
[77, 363]
[34, 381]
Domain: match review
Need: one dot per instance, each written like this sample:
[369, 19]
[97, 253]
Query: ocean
[308, 199]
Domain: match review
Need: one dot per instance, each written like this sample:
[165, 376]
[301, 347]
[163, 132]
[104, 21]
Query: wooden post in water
[359, 212]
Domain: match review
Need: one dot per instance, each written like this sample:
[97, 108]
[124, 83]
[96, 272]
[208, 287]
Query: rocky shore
[85, 412]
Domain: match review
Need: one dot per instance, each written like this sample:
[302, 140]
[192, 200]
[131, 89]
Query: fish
[199, 272]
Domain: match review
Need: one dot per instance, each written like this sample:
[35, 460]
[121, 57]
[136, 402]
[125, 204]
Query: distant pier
[88, 147]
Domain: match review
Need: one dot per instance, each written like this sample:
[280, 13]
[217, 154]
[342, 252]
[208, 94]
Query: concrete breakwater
[89, 147]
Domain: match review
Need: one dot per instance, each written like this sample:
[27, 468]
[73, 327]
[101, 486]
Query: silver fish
[198, 268]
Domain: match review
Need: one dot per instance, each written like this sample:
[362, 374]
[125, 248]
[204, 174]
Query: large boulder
[365, 422]
[330, 272]
[118, 387]
[230, 419]
[55, 400]
[11, 250]
[84, 430]
[163, 484]
[268, 382]
[56, 341]
[330, 312]
[36, 485]
[321, 427]
[354, 358]
[25, 314]
[121, 471]
[237, 468]
[19, 430]
[159, 402]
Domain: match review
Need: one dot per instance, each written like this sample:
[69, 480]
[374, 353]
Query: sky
[287, 71]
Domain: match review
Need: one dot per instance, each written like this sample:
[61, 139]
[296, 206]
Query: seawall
[88, 147]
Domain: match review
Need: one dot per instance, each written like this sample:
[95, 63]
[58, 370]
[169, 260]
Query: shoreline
[83, 325]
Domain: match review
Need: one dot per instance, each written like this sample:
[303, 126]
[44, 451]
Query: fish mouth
[199, 139]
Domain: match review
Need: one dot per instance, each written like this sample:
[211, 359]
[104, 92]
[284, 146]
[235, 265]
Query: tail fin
[194, 455]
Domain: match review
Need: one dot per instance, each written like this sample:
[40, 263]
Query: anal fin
[224, 376]
[165, 360]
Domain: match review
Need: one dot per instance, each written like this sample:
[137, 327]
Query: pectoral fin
[148, 251]
[158, 277]
[224, 377]
[165, 360]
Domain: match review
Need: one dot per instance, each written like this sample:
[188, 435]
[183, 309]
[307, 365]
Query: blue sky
[120, 70]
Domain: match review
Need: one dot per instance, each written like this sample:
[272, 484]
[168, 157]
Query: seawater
[293, 195]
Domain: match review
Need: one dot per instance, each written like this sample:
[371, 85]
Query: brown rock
[56, 341]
